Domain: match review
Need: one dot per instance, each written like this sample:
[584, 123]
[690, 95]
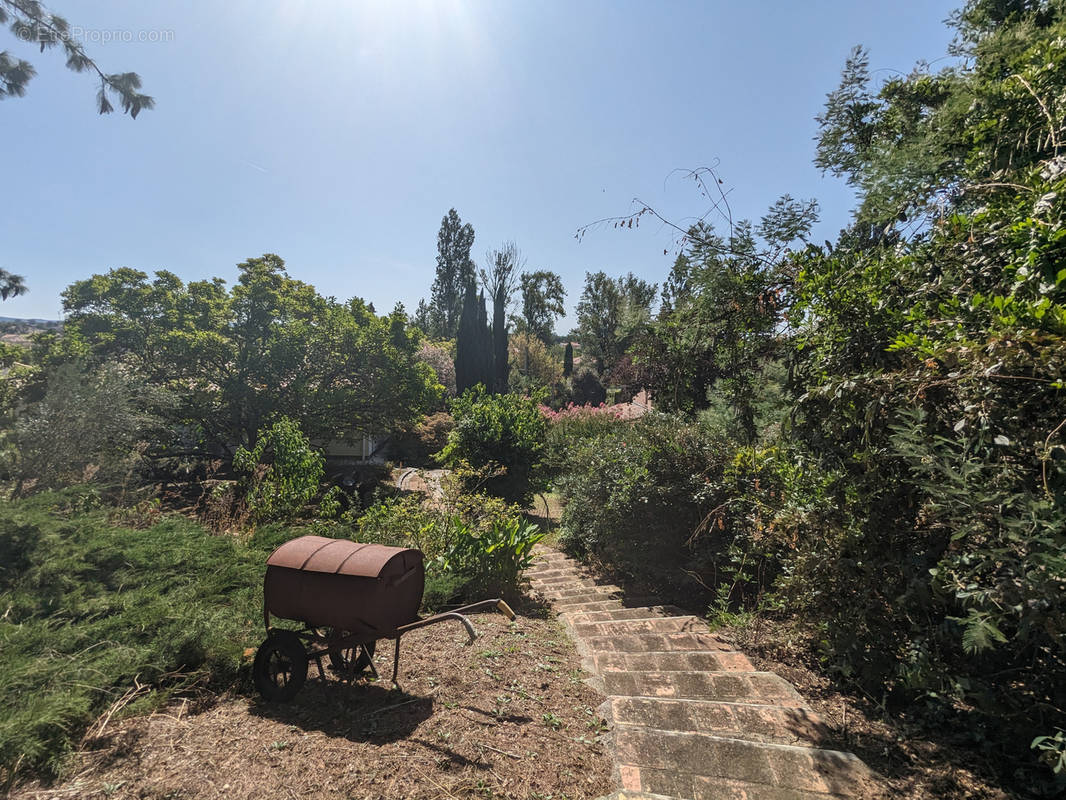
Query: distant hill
[35, 323]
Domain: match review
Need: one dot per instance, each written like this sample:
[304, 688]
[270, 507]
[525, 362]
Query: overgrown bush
[407, 522]
[93, 610]
[505, 430]
[641, 497]
[417, 447]
[472, 543]
[571, 426]
[491, 561]
[90, 425]
[282, 471]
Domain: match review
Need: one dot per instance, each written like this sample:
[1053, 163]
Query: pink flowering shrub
[586, 412]
[572, 425]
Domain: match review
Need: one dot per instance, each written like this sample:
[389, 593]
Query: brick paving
[690, 717]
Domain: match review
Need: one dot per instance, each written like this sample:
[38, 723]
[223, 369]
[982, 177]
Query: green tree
[499, 279]
[610, 314]
[533, 365]
[568, 360]
[455, 271]
[723, 314]
[269, 347]
[542, 301]
[32, 22]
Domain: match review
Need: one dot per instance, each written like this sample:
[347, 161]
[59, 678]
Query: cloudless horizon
[338, 134]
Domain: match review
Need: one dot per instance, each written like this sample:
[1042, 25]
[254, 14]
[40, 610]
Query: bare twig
[1050, 120]
[497, 750]
[1046, 455]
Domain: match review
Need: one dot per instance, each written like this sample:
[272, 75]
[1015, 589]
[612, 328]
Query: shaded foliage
[239, 359]
[507, 431]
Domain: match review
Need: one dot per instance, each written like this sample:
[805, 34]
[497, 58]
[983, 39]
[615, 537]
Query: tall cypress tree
[468, 343]
[568, 360]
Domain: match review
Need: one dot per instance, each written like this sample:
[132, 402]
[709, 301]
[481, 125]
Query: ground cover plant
[93, 609]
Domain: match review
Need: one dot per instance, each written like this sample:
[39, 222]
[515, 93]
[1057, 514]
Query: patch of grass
[89, 611]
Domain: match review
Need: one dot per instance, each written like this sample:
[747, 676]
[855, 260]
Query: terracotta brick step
[556, 577]
[638, 612]
[652, 643]
[692, 755]
[761, 688]
[536, 576]
[578, 588]
[591, 603]
[547, 560]
[651, 625]
[560, 571]
[576, 582]
[757, 723]
[538, 568]
[675, 661]
[699, 787]
[725, 789]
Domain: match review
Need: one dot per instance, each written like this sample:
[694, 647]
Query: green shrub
[639, 497]
[506, 430]
[407, 522]
[472, 543]
[94, 608]
[571, 426]
[282, 471]
[90, 425]
[491, 561]
[417, 447]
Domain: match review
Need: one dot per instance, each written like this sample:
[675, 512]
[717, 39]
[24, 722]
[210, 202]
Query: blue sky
[337, 134]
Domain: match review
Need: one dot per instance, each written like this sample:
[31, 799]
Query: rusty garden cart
[348, 596]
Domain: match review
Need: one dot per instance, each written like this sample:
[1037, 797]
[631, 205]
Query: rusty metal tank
[364, 589]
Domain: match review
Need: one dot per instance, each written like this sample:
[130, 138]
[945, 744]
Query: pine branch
[33, 23]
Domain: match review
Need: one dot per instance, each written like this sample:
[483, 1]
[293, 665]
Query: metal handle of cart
[456, 614]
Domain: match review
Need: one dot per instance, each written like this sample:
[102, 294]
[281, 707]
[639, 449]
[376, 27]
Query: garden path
[689, 716]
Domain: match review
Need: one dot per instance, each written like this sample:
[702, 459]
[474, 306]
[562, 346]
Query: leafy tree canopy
[542, 302]
[455, 271]
[242, 358]
[610, 313]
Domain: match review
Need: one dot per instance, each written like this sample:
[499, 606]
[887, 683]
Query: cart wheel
[341, 661]
[280, 666]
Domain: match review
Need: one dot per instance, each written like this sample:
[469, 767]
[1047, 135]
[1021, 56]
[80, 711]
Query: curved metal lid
[339, 556]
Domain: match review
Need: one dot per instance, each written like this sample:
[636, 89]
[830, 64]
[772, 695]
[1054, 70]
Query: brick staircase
[690, 717]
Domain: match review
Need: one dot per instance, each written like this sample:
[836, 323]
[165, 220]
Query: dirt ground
[506, 717]
[919, 759]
